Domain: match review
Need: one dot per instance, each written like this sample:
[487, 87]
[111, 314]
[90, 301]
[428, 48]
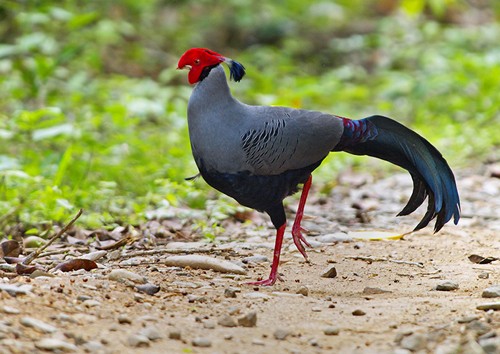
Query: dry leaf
[76, 264]
[474, 258]
[11, 248]
[13, 260]
[22, 269]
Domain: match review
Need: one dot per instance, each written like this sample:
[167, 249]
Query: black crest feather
[236, 70]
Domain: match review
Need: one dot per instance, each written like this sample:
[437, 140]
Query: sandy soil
[405, 314]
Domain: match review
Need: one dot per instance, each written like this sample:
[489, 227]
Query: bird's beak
[187, 67]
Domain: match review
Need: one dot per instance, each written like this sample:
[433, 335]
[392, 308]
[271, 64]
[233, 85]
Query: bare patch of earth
[382, 300]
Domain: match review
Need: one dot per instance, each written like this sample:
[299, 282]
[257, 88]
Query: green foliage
[92, 111]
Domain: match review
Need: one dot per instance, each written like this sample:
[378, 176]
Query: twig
[371, 259]
[175, 251]
[33, 255]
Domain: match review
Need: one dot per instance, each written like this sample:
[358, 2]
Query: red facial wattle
[198, 59]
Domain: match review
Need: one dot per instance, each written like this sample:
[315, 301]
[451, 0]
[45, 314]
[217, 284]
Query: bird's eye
[197, 61]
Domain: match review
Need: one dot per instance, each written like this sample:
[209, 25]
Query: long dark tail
[389, 140]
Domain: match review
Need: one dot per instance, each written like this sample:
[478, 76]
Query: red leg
[276, 259]
[298, 238]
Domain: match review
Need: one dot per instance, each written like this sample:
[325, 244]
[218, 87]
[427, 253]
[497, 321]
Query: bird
[259, 155]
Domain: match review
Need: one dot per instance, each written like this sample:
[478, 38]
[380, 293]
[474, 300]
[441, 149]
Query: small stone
[122, 275]
[174, 334]
[54, 344]
[94, 256]
[249, 320]
[201, 342]
[10, 310]
[255, 259]
[138, 340]
[38, 325]
[374, 291]
[258, 342]
[149, 289]
[492, 291]
[124, 319]
[489, 306]
[467, 319]
[478, 327]
[281, 334]
[330, 272]
[483, 275]
[204, 262]
[230, 292]
[414, 342]
[195, 298]
[447, 286]
[151, 332]
[358, 312]
[91, 303]
[316, 309]
[490, 345]
[303, 290]
[331, 331]
[14, 290]
[313, 342]
[227, 321]
[209, 324]
[256, 295]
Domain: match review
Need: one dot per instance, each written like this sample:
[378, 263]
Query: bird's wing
[279, 139]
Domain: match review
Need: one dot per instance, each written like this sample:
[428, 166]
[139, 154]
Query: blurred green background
[93, 112]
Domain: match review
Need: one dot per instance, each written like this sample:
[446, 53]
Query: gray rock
[91, 303]
[55, 345]
[151, 332]
[303, 290]
[249, 320]
[122, 275]
[94, 256]
[374, 291]
[174, 334]
[447, 286]
[10, 310]
[331, 331]
[492, 291]
[230, 292]
[209, 324]
[227, 321]
[490, 345]
[149, 289]
[201, 342]
[195, 261]
[414, 342]
[138, 340]
[489, 306]
[358, 312]
[14, 290]
[329, 272]
[483, 275]
[281, 334]
[258, 258]
[256, 295]
[38, 325]
[124, 319]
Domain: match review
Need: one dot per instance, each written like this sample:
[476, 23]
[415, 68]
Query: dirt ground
[382, 300]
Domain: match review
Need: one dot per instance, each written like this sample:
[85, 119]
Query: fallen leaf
[374, 235]
[13, 260]
[22, 269]
[76, 264]
[475, 258]
[11, 248]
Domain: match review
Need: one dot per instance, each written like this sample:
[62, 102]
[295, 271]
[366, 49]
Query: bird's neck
[212, 90]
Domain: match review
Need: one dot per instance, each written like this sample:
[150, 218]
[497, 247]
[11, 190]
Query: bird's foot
[265, 282]
[300, 240]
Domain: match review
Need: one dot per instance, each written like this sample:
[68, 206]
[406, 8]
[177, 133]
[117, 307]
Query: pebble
[414, 342]
[303, 290]
[151, 332]
[195, 261]
[329, 272]
[256, 295]
[489, 306]
[122, 275]
[54, 344]
[149, 289]
[331, 331]
[94, 256]
[91, 303]
[358, 312]
[316, 309]
[281, 334]
[10, 310]
[467, 319]
[230, 292]
[38, 325]
[258, 258]
[447, 286]
[201, 342]
[14, 290]
[490, 345]
[258, 342]
[209, 324]
[374, 291]
[138, 340]
[124, 319]
[483, 275]
[248, 320]
[174, 334]
[227, 321]
[492, 291]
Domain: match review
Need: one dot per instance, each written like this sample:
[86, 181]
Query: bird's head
[200, 61]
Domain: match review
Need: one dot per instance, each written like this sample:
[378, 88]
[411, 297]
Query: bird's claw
[266, 282]
[300, 240]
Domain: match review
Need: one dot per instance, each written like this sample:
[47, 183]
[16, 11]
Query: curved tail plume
[391, 141]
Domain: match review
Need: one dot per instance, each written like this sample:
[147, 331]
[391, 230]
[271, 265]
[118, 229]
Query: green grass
[93, 112]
